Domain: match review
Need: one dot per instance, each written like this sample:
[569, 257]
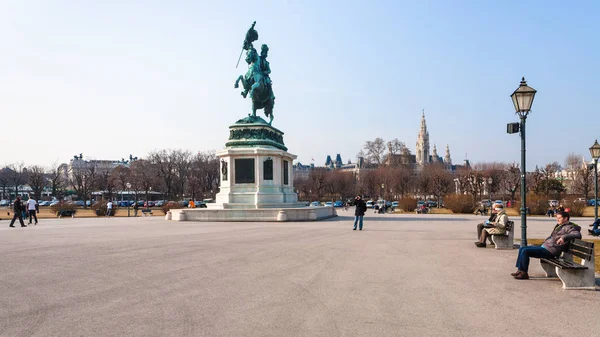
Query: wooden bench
[573, 275]
[62, 213]
[505, 241]
[146, 212]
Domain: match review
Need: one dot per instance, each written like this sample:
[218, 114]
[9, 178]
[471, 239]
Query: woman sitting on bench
[495, 226]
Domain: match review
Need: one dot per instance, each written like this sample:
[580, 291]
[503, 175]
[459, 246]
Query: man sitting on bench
[495, 225]
[555, 244]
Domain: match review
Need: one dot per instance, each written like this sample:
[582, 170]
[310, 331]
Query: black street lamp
[490, 180]
[523, 99]
[595, 152]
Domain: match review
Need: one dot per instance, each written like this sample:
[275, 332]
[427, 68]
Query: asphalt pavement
[403, 275]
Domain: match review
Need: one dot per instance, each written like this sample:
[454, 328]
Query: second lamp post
[595, 152]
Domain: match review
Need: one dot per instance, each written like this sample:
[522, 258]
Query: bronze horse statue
[257, 85]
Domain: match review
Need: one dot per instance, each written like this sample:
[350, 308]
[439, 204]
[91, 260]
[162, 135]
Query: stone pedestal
[256, 169]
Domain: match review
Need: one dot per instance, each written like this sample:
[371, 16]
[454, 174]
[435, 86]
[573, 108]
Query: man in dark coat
[17, 209]
[361, 208]
[555, 244]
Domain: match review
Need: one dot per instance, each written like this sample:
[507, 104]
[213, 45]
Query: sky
[114, 78]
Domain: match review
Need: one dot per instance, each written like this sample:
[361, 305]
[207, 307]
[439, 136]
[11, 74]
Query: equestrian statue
[257, 81]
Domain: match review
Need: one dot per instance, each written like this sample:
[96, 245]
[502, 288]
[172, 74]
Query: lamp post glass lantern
[595, 152]
[522, 99]
[490, 180]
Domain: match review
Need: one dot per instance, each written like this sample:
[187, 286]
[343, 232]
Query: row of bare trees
[174, 173]
[497, 180]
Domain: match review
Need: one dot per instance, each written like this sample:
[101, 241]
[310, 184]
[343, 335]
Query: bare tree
[165, 166]
[209, 172]
[181, 161]
[144, 176]
[57, 181]
[121, 175]
[17, 175]
[342, 184]
[5, 181]
[511, 180]
[375, 150]
[194, 176]
[106, 182]
[84, 179]
[37, 180]
[317, 180]
[402, 180]
[440, 181]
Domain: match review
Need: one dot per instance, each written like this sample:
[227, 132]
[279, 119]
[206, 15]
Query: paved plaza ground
[403, 275]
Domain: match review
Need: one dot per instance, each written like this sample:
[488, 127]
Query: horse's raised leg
[244, 84]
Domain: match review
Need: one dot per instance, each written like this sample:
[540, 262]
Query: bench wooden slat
[582, 250]
[564, 264]
[581, 255]
[583, 243]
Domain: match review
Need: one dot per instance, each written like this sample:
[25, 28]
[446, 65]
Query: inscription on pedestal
[268, 169]
[244, 171]
[286, 173]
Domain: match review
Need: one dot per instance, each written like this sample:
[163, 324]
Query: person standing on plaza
[17, 209]
[191, 204]
[359, 213]
[555, 244]
[109, 207]
[31, 209]
[135, 208]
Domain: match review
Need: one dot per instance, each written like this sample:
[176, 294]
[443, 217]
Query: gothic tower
[434, 156]
[447, 159]
[422, 148]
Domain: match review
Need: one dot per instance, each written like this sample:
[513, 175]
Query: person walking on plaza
[135, 208]
[361, 208]
[495, 225]
[31, 209]
[17, 209]
[556, 243]
[109, 207]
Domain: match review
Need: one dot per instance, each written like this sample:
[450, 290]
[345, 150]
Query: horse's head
[251, 56]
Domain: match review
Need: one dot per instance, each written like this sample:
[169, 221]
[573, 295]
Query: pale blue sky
[110, 78]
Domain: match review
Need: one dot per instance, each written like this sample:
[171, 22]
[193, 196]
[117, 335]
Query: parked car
[56, 202]
[370, 204]
[4, 202]
[44, 203]
[499, 202]
[395, 204]
[338, 203]
[431, 203]
[553, 203]
[487, 203]
[159, 203]
[315, 204]
[329, 204]
[78, 203]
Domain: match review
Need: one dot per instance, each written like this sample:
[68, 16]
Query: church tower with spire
[447, 159]
[422, 148]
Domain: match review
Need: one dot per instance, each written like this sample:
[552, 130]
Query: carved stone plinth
[256, 169]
